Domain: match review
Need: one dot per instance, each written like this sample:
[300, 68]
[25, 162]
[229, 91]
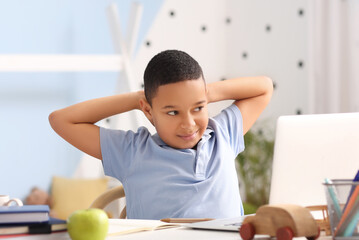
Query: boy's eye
[172, 113]
[197, 109]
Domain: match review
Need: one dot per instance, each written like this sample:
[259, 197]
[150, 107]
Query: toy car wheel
[315, 237]
[247, 231]
[285, 233]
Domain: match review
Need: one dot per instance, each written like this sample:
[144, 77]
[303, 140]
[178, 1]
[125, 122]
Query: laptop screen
[309, 148]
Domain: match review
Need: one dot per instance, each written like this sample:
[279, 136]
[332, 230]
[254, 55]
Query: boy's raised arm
[251, 95]
[76, 123]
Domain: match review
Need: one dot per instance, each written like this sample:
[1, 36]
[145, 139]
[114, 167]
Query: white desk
[165, 234]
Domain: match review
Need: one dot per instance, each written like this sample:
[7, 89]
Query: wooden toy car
[282, 221]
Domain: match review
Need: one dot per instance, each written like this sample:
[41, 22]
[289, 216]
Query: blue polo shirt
[162, 182]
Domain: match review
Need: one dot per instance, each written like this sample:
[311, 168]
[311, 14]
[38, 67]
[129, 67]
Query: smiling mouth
[189, 137]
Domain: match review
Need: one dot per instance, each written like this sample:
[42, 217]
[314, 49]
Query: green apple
[88, 224]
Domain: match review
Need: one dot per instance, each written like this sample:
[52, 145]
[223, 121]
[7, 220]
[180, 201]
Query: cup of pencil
[343, 207]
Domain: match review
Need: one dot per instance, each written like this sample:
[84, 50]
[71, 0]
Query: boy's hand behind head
[141, 98]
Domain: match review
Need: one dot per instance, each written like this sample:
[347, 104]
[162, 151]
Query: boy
[187, 168]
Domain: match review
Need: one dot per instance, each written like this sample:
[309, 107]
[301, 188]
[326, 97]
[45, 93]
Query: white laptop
[308, 148]
[228, 224]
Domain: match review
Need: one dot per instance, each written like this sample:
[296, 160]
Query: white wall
[334, 56]
[274, 35]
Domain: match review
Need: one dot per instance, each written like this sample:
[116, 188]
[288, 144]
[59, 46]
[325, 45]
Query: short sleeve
[118, 150]
[230, 123]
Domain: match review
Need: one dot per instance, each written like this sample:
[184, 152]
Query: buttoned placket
[201, 158]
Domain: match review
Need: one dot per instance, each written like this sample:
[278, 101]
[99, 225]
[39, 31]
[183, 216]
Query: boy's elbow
[268, 81]
[267, 84]
[267, 88]
[54, 119]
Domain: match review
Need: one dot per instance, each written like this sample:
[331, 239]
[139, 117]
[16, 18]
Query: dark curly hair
[169, 66]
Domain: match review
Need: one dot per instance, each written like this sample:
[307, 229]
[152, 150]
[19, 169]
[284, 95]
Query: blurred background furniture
[109, 196]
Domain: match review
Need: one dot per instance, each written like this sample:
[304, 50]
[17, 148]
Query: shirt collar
[158, 140]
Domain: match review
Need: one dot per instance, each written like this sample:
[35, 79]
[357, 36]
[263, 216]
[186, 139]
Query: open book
[126, 226]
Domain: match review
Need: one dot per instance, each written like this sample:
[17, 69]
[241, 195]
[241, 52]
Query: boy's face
[179, 113]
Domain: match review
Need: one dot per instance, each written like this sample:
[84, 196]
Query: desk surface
[172, 233]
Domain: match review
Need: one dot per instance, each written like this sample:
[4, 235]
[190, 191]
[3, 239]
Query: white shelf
[60, 63]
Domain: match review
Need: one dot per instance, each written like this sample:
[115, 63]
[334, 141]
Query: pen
[185, 220]
[356, 179]
[348, 232]
[334, 198]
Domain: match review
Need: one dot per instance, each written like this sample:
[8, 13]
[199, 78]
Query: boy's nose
[188, 122]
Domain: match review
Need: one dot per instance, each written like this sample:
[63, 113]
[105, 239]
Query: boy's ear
[146, 109]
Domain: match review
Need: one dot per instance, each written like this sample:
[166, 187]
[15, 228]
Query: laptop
[308, 148]
[227, 224]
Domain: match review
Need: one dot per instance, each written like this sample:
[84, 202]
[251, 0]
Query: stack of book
[28, 219]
